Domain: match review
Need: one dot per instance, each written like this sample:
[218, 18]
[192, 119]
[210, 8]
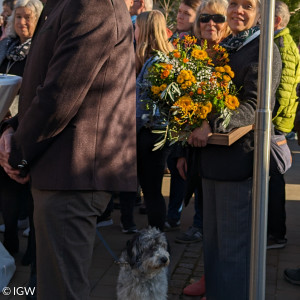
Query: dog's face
[148, 252]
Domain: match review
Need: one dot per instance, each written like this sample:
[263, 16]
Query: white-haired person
[227, 171]
[15, 47]
[16, 196]
[211, 26]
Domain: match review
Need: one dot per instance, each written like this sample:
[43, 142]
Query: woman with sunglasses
[210, 25]
[227, 170]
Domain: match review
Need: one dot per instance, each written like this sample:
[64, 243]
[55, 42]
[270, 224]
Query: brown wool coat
[77, 104]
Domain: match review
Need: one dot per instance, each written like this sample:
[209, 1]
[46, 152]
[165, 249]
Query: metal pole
[262, 155]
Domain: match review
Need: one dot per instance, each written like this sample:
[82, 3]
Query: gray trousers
[65, 226]
[227, 238]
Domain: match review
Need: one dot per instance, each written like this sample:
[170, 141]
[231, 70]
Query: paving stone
[183, 271]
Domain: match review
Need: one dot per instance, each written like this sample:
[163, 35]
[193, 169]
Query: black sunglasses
[205, 18]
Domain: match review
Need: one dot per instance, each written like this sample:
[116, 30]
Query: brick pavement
[187, 260]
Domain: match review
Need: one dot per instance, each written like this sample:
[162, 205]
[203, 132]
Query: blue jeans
[177, 193]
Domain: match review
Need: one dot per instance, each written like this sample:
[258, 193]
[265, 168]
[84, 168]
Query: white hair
[148, 4]
[36, 7]
[282, 10]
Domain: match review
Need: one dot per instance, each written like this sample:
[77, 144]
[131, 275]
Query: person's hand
[200, 135]
[5, 148]
[5, 145]
[182, 167]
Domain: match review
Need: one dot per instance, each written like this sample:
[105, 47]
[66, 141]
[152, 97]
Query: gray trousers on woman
[227, 238]
[65, 227]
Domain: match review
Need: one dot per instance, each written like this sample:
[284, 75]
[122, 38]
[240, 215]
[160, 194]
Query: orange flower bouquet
[187, 85]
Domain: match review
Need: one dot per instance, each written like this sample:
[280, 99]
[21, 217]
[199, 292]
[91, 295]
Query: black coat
[235, 162]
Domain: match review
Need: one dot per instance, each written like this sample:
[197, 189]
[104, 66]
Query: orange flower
[176, 53]
[165, 74]
[185, 60]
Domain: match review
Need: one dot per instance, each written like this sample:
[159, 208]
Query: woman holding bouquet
[227, 170]
[150, 34]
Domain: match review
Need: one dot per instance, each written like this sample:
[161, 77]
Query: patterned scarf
[233, 43]
[17, 51]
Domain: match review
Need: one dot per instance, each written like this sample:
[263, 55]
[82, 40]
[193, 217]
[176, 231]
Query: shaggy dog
[143, 272]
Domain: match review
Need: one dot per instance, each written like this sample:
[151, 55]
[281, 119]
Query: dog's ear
[131, 254]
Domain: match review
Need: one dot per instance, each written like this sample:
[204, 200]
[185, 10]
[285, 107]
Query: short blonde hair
[152, 35]
[36, 7]
[218, 6]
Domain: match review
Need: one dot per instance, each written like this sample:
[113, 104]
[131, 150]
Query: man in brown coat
[74, 134]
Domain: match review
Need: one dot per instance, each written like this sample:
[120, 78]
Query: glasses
[205, 18]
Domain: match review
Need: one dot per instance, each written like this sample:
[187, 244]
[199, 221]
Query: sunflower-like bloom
[202, 111]
[232, 102]
[199, 54]
[185, 74]
[155, 89]
[184, 101]
[180, 79]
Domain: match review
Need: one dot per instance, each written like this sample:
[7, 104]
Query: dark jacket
[235, 162]
[76, 124]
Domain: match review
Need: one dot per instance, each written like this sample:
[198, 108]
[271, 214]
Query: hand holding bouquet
[187, 85]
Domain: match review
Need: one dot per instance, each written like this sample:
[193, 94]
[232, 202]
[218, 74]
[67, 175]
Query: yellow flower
[209, 105]
[184, 86]
[199, 54]
[185, 74]
[231, 74]
[188, 83]
[226, 78]
[227, 68]
[155, 89]
[183, 101]
[180, 79]
[220, 69]
[232, 102]
[163, 86]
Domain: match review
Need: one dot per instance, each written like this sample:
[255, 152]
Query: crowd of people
[74, 144]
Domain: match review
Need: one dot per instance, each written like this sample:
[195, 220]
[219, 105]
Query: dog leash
[116, 260]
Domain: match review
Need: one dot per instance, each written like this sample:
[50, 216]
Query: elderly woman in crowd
[13, 53]
[227, 170]
[15, 47]
[210, 26]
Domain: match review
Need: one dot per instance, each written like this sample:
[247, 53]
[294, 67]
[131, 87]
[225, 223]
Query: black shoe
[292, 276]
